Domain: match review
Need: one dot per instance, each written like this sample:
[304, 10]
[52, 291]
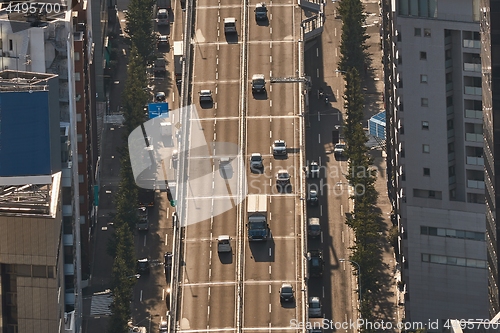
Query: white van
[224, 243]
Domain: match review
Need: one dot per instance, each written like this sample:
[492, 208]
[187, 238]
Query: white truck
[258, 228]
[178, 54]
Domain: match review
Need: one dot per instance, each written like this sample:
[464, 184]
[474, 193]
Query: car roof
[284, 285]
[224, 159]
[229, 20]
[314, 163]
[160, 93]
[313, 192]
[223, 237]
[163, 10]
[314, 299]
[143, 260]
[256, 154]
[205, 92]
[282, 172]
[279, 141]
[258, 76]
[314, 220]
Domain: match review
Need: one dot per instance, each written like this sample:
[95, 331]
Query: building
[33, 266]
[490, 59]
[435, 155]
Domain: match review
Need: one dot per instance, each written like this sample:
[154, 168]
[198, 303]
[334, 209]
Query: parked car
[338, 149]
[143, 266]
[160, 96]
[315, 259]
[162, 41]
[313, 227]
[286, 293]
[314, 307]
[313, 170]
[205, 96]
[313, 199]
[282, 177]
[224, 244]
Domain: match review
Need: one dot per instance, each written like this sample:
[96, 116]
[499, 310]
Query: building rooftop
[11, 80]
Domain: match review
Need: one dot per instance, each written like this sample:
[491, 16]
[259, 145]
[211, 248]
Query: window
[423, 78]
[426, 149]
[425, 125]
[79, 138]
[449, 124]
[418, 32]
[80, 158]
[40, 271]
[423, 55]
[432, 194]
[80, 179]
[77, 56]
[400, 83]
[427, 172]
[424, 102]
[78, 117]
[451, 170]
[427, 32]
[11, 45]
[77, 76]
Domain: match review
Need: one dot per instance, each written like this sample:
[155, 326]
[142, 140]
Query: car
[313, 170]
[258, 83]
[256, 161]
[162, 17]
[279, 147]
[225, 164]
[282, 177]
[143, 223]
[339, 148]
[142, 212]
[206, 96]
[314, 307]
[315, 263]
[313, 199]
[143, 266]
[163, 326]
[162, 41]
[223, 244]
[313, 227]
[167, 259]
[160, 96]
[286, 292]
[260, 12]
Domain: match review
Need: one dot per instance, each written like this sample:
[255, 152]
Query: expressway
[240, 290]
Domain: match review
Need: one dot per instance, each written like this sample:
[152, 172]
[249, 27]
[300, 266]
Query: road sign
[157, 109]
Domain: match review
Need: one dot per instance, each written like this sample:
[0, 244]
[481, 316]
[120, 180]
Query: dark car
[260, 12]
[286, 292]
[143, 266]
[313, 170]
[313, 198]
[168, 259]
[160, 96]
[315, 260]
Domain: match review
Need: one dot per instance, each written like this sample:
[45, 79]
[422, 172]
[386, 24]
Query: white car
[163, 326]
[256, 161]
[279, 147]
[205, 96]
[282, 177]
[339, 149]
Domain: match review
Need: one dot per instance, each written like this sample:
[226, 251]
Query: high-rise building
[490, 60]
[435, 155]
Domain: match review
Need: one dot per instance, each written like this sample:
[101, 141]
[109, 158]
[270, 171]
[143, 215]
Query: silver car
[314, 307]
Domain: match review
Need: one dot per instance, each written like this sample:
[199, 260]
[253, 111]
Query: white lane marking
[209, 310]
[209, 273]
[163, 295]
[216, 89]
[215, 136]
[269, 269]
[343, 236]
[216, 75]
[217, 61]
[337, 92]
[341, 210]
[144, 240]
[206, 284]
[271, 103]
[335, 32]
[269, 307]
[269, 288]
[270, 252]
[140, 297]
[270, 58]
[321, 237]
[319, 161]
[319, 138]
[317, 72]
[319, 116]
[321, 210]
[336, 52]
[270, 214]
[270, 90]
[271, 31]
[323, 291]
[317, 52]
[166, 239]
[209, 290]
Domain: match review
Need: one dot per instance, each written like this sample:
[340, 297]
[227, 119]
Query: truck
[178, 54]
[146, 197]
[258, 228]
[164, 4]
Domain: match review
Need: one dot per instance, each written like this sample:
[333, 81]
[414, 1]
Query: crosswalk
[101, 304]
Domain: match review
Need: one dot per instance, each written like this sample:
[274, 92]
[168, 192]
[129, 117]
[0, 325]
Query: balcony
[471, 160]
[472, 44]
[449, 109]
[474, 137]
[469, 67]
[479, 184]
[449, 86]
[475, 114]
[448, 63]
[477, 91]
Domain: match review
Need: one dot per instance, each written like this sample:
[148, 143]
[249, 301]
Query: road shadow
[260, 250]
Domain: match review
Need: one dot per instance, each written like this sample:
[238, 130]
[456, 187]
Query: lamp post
[359, 277]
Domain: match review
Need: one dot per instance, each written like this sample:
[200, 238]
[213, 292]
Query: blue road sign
[157, 109]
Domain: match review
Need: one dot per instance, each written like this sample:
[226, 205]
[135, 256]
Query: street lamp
[359, 277]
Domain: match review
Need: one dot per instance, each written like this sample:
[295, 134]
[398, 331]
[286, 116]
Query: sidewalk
[112, 138]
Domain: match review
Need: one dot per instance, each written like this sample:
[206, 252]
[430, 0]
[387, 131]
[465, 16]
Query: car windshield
[314, 227]
[283, 175]
[257, 225]
[259, 81]
[256, 158]
[314, 167]
[279, 144]
[315, 305]
[315, 262]
[261, 9]
[286, 290]
[340, 145]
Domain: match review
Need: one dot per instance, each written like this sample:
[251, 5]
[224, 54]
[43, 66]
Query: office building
[490, 59]
[435, 155]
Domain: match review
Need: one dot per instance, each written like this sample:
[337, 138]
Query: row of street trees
[365, 217]
[139, 29]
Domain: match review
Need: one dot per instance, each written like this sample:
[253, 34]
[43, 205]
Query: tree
[352, 44]
[139, 27]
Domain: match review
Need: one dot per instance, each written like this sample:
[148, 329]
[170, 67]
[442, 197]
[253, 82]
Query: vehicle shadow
[288, 305]
[260, 96]
[232, 38]
[263, 23]
[207, 105]
[263, 251]
[226, 258]
[284, 188]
